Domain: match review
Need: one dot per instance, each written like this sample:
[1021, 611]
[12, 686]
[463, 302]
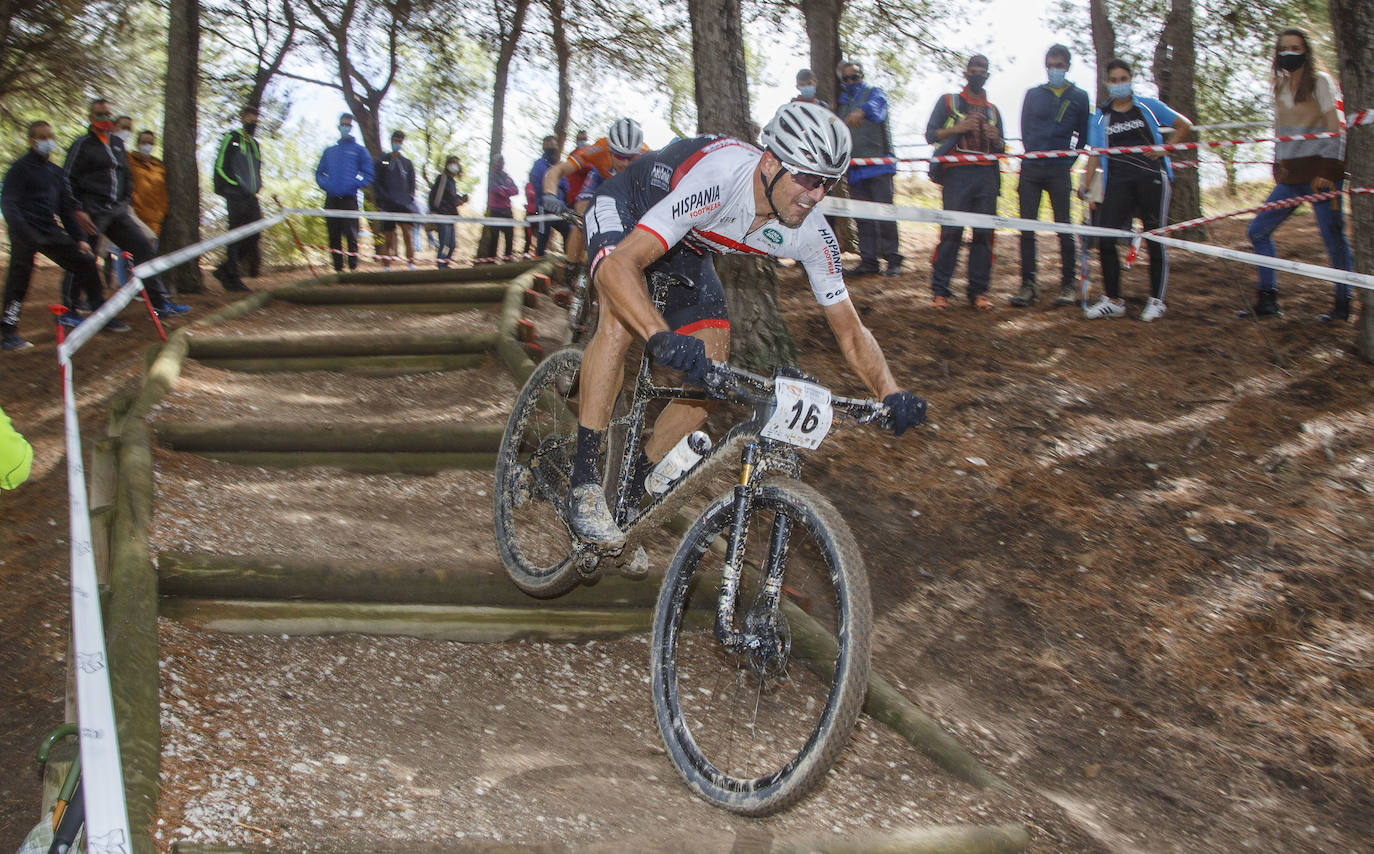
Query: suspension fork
[767, 602]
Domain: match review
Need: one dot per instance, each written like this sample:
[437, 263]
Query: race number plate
[803, 414]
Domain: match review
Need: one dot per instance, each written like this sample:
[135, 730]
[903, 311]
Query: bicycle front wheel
[533, 470]
[754, 731]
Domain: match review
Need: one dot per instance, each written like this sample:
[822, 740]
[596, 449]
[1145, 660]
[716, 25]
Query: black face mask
[551, 154]
[250, 127]
[1291, 62]
[976, 81]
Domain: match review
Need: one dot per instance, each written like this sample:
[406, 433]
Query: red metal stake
[152, 312]
[296, 237]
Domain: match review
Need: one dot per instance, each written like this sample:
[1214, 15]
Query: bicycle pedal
[634, 567]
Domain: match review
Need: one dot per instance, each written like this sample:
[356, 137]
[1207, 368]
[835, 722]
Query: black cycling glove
[907, 410]
[681, 353]
[549, 203]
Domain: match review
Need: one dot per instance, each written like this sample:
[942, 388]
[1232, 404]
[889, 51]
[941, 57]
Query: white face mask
[45, 146]
[123, 135]
[454, 169]
[146, 149]
[345, 130]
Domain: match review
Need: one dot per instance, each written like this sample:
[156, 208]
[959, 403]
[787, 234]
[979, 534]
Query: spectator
[238, 177]
[864, 110]
[34, 197]
[1304, 103]
[1135, 185]
[395, 193]
[500, 189]
[1054, 116]
[965, 122]
[544, 230]
[444, 198]
[806, 88]
[345, 168]
[581, 139]
[16, 455]
[124, 129]
[149, 176]
[97, 170]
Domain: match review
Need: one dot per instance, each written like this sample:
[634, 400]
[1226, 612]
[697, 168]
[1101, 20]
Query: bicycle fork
[759, 637]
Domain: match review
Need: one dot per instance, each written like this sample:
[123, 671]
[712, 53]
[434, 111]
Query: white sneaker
[1154, 309]
[1106, 307]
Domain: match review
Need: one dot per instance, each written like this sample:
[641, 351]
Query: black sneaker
[893, 271]
[1267, 304]
[591, 519]
[11, 341]
[861, 270]
[1024, 297]
[1339, 311]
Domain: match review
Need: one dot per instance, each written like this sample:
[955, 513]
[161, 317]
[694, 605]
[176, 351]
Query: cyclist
[623, 142]
[669, 211]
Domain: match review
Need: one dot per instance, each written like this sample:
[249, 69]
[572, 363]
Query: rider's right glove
[681, 353]
[907, 410]
[549, 203]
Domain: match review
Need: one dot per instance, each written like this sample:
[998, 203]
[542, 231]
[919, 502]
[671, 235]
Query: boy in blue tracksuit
[345, 168]
[1136, 185]
[1054, 116]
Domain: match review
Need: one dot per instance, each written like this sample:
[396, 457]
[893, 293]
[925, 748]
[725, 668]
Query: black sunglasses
[809, 180]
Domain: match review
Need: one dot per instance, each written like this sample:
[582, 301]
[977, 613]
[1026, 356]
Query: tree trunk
[182, 225]
[823, 33]
[563, 56]
[509, 39]
[758, 336]
[1353, 21]
[1175, 64]
[1104, 43]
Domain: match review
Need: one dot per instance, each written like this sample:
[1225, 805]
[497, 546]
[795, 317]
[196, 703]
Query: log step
[355, 344]
[468, 623]
[480, 583]
[368, 294]
[500, 273]
[377, 366]
[359, 463]
[203, 436]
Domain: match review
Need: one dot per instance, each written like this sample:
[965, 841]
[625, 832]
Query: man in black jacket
[34, 197]
[238, 177]
[98, 172]
[394, 188]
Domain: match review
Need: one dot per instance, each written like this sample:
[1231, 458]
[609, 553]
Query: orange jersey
[595, 155]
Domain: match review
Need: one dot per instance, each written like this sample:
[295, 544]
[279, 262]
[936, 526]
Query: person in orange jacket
[149, 176]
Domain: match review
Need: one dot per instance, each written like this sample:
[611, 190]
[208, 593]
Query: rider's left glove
[681, 353]
[907, 410]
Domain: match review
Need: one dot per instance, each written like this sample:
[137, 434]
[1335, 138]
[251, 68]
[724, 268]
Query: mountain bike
[760, 649]
[581, 297]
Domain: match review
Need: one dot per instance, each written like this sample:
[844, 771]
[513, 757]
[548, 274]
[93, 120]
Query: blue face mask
[45, 146]
[1119, 90]
[1057, 76]
[345, 131]
[807, 91]
[851, 90]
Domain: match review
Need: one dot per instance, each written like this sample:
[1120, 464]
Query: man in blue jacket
[864, 109]
[1054, 116]
[345, 168]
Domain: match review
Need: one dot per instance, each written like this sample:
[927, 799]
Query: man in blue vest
[864, 109]
[345, 168]
[1054, 116]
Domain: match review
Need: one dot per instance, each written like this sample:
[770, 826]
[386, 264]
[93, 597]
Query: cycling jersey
[699, 194]
[596, 156]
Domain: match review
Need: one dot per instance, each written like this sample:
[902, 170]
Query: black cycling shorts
[686, 309]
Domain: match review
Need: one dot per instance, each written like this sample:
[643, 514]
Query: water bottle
[677, 462]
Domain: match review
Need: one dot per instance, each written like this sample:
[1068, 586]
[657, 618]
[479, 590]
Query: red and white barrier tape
[892, 213]
[1364, 117]
[1267, 206]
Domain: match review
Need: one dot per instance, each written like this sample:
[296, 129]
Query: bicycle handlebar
[723, 381]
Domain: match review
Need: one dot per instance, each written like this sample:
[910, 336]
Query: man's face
[146, 138]
[796, 193]
[1118, 76]
[618, 163]
[851, 74]
[101, 114]
[39, 134]
[976, 71]
[124, 123]
[1059, 62]
[248, 118]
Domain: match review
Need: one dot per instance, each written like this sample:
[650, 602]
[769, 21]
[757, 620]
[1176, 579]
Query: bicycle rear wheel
[533, 470]
[754, 732]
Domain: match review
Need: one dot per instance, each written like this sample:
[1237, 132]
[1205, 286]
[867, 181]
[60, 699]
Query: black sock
[587, 459]
[641, 471]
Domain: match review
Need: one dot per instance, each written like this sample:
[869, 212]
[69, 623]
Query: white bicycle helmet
[809, 138]
[625, 137]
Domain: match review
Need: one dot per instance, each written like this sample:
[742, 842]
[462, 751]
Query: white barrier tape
[107, 815]
[502, 222]
[148, 269]
[879, 211]
[97, 319]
